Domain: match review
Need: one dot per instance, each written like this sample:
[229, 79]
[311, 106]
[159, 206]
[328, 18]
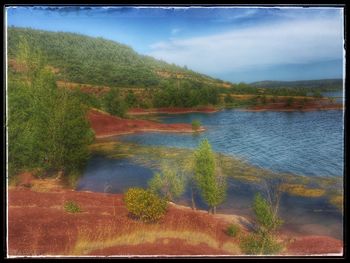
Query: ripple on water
[307, 143]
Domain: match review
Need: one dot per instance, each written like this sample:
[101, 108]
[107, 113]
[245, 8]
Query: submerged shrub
[233, 230]
[72, 207]
[168, 183]
[145, 205]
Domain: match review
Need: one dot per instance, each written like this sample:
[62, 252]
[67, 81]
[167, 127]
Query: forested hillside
[82, 59]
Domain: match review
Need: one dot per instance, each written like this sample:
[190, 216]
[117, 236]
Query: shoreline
[291, 110]
[170, 110]
[147, 130]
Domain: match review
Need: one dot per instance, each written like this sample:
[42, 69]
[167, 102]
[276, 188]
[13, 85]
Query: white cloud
[296, 41]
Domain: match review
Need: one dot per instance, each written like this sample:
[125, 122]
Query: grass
[301, 190]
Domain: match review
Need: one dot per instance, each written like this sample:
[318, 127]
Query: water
[303, 143]
[307, 143]
[108, 175]
[313, 216]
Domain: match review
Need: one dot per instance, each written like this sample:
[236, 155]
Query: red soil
[39, 225]
[86, 88]
[138, 111]
[106, 125]
[312, 245]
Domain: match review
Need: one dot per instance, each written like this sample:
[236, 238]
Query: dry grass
[88, 242]
[46, 185]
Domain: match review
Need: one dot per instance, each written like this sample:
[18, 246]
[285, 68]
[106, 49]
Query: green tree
[211, 184]
[167, 183]
[131, 99]
[47, 126]
[114, 103]
[267, 220]
[262, 241]
[228, 99]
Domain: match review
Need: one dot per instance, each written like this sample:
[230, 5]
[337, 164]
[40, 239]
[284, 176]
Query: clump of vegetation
[72, 207]
[289, 101]
[114, 103]
[196, 124]
[211, 183]
[301, 190]
[257, 244]
[145, 205]
[266, 219]
[262, 241]
[228, 99]
[233, 230]
[167, 183]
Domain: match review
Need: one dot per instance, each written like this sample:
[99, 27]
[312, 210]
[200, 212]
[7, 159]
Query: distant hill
[83, 59]
[314, 84]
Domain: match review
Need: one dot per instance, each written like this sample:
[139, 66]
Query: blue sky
[235, 44]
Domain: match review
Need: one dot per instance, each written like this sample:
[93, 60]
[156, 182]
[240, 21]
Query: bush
[228, 99]
[233, 230]
[72, 207]
[196, 124]
[145, 205]
[168, 183]
[257, 244]
[266, 219]
[289, 101]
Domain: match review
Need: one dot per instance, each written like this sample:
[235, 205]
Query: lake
[304, 143]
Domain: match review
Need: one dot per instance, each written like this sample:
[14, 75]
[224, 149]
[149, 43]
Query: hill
[83, 59]
[312, 84]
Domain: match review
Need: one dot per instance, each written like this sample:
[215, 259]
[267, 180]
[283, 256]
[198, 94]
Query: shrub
[228, 99]
[168, 183]
[233, 230]
[289, 101]
[257, 244]
[266, 219]
[72, 207]
[145, 205]
[196, 124]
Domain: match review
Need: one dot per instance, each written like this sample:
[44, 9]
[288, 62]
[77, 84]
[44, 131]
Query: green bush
[258, 244]
[72, 207]
[289, 101]
[168, 183]
[196, 124]
[266, 219]
[145, 205]
[233, 230]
